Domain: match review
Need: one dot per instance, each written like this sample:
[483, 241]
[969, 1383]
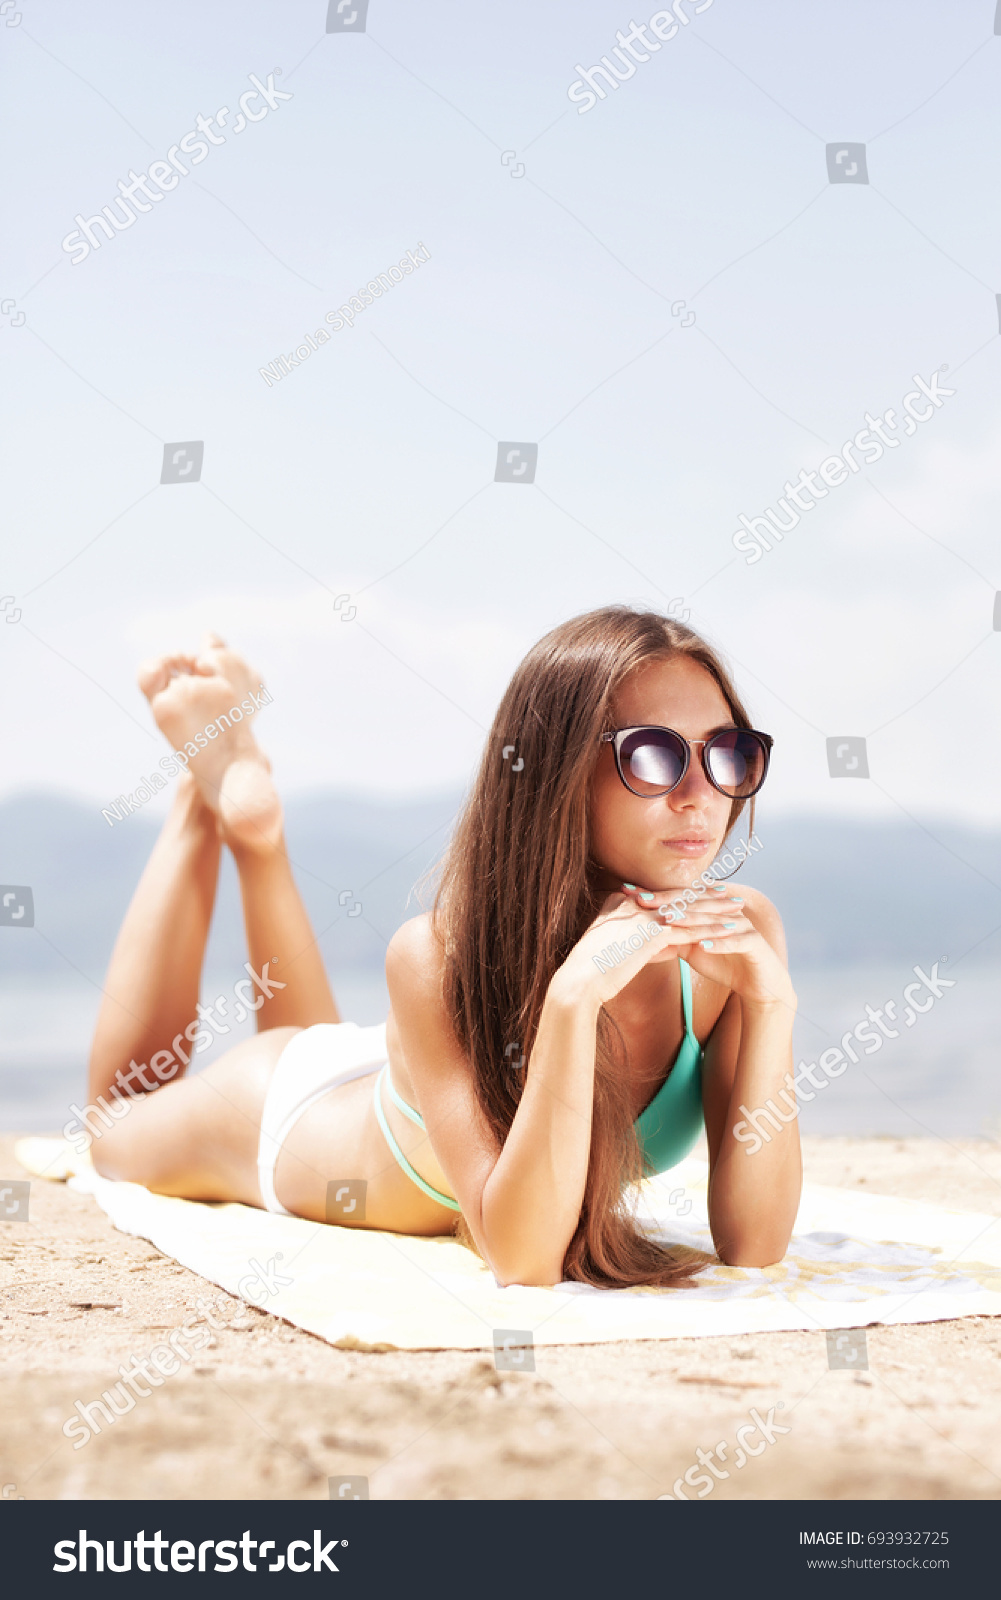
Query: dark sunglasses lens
[736, 763]
[653, 760]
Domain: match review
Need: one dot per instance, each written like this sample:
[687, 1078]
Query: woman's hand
[722, 943]
[603, 962]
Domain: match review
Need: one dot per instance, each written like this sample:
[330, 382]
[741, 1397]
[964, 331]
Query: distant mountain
[847, 892]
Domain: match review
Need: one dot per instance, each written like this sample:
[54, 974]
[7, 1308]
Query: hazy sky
[564, 254]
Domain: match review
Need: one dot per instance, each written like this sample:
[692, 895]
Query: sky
[663, 290]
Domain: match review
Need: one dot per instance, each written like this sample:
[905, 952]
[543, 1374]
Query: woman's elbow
[752, 1252]
[514, 1268]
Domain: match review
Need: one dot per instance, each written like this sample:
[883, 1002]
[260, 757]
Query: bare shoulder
[415, 960]
[761, 913]
[419, 1025]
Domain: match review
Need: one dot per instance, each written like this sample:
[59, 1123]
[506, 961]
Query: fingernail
[629, 886]
[646, 896]
[729, 924]
[735, 902]
[706, 944]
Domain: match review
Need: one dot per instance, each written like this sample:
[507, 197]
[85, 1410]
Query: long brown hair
[519, 888]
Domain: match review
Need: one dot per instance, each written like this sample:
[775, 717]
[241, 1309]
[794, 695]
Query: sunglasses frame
[618, 735]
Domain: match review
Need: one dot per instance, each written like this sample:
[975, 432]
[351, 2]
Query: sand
[267, 1412]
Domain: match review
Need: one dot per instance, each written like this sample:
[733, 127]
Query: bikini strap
[686, 993]
[401, 1104]
[397, 1153]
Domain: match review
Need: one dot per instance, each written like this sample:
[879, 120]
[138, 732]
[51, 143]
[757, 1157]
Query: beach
[265, 1411]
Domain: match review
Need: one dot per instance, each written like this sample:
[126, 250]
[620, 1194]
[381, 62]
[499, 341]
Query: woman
[556, 1029]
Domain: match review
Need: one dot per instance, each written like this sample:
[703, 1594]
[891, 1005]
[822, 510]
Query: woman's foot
[188, 695]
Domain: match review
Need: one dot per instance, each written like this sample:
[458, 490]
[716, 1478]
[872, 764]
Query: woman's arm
[522, 1202]
[753, 1197]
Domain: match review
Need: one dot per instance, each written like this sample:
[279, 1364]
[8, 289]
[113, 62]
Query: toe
[210, 656]
[155, 674]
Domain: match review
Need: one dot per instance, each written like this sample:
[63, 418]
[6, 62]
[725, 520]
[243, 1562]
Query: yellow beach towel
[855, 1259]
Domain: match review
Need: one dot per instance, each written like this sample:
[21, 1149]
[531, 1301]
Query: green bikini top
[673, 1120]
[666, 1130]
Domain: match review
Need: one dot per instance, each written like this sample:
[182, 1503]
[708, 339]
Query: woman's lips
[688, 846]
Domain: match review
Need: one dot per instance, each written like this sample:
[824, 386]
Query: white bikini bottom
[315, 1061]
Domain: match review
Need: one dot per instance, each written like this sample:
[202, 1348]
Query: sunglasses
[652, 761]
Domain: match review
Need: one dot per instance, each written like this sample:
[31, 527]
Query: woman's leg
[144, 1028]
[281, 941]
[151, 990]
[234, 779]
